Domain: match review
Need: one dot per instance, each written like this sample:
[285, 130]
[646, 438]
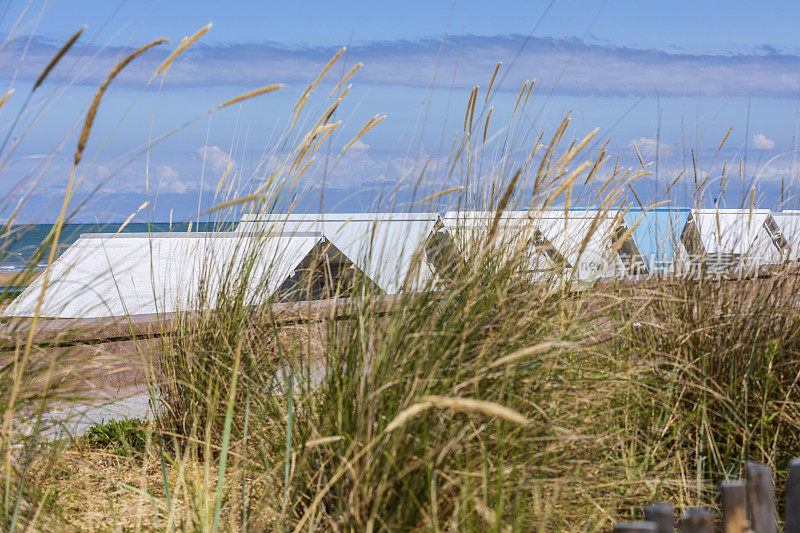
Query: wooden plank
[792, 519]
[734, 509]
[760, 498]
[79, 331]
[661, 514]
[698, 520]
[635, 527]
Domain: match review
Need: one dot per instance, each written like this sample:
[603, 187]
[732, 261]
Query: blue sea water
[23, 241]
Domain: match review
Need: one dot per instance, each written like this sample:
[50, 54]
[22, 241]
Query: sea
[19, 248]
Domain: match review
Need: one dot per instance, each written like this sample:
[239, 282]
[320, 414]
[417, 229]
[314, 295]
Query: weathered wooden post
[698, 520]
[734, 509]
[661, 514]
[760, 498]
[635, 527]
[792, 520]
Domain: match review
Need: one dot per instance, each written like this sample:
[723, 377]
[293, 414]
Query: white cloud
[165, 172]
[762, 142]
[359, 145]
[103, 171]
[646, 145]
[215, 158]
[466, 59]
[169, 180]
[361, 168]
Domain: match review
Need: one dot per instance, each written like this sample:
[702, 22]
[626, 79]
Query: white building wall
[388, 247]
[738, 236]
[583, 237]
[112, 275]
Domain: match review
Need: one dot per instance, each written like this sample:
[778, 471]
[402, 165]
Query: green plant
[125, 437]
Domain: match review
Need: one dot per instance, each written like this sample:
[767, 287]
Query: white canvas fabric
[789, 223]
[112, 275]
[737, 237]
[584, 238]
[389, 248]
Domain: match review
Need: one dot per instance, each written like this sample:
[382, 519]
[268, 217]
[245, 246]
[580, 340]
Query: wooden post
[760, 498]
[661, 514]
[792, 523]
[635, 527]
[734, 510]
[698, 520]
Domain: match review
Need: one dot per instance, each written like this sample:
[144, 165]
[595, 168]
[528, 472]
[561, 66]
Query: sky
[670, 78]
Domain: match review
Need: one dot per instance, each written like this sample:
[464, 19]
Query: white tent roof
[789, 222]
[382, 245]
[566, 232]
[740, 232]
[105, 275]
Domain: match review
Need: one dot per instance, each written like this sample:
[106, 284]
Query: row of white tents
[114, 275]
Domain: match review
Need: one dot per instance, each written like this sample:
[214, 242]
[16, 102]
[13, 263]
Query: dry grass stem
[224, 176]
[57, 57]
[461, 405]
[346, 77]
[524, 353]
[371, 123]
[5, 97]
[98, 96]
[327, 67]
[181, 48]
[251, 94]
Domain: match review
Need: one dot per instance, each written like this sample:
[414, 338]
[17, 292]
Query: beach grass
[485, 399]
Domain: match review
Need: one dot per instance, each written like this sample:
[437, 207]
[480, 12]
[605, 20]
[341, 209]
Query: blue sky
[681, 25]
[671, 75]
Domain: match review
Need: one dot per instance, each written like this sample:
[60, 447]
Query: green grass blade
[226, 438]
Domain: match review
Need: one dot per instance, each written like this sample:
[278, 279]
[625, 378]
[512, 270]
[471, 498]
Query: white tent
[581, 241]
[789, 223]
[733, 238]
[390, 248]
[111, 275]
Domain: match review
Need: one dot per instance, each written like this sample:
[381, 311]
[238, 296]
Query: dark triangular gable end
[776, 235]
[446, 257]
[543, 245]
[629, 252]
[690, 237]
[442, 252]
[324, 273]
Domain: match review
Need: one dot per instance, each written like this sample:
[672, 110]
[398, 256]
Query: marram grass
[483, 401]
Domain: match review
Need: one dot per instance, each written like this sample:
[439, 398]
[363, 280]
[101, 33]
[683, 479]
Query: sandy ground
[111, 382]
[71, 422]
[18, 278]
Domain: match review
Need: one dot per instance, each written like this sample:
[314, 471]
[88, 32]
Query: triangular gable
[442, 251]
[789, 223]
[590, 239]
[628, 251]
[735, 237]
[471, 228]
[583, 239]
[111, 275]
[324, 273]
[389, 248]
